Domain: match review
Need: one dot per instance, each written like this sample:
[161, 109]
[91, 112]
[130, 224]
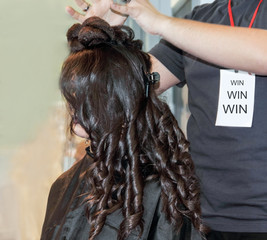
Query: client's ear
[79, 131]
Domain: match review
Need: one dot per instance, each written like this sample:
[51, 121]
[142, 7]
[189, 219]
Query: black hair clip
[150, 78]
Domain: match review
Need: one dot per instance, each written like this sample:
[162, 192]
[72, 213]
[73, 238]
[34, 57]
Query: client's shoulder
[74, 174]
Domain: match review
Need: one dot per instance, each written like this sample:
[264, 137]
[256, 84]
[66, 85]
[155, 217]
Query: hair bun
[95, 31]
[72, 37]
[91, 33]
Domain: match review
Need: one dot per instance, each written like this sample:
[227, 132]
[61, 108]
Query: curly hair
[134, 138]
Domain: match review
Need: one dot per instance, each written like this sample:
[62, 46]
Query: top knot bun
[95, 31]
[72, 37]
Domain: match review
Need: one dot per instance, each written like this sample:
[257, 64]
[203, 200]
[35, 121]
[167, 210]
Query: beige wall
[32, 48]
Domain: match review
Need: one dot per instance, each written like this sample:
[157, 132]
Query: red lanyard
[231, 14]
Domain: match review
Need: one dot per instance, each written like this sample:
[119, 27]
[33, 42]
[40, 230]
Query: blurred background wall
[34, 149]
[32, 135]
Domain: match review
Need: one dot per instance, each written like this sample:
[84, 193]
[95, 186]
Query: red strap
[231, 14]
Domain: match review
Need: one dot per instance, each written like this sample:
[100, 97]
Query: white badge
[236, 99]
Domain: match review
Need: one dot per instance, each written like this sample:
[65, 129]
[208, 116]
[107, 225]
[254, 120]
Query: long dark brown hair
[134, 138]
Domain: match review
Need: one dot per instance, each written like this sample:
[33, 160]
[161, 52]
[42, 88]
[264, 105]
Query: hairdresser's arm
[99, 8]
[167, 78]
[238, 48]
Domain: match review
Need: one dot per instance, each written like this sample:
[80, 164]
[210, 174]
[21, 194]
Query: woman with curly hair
[137, 180]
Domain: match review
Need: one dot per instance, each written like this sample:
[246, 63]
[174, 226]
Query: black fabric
[215, 235]
[65, 216]
[230, 161]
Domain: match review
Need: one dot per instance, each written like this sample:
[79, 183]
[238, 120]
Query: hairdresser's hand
[146, 16]
[99, 8]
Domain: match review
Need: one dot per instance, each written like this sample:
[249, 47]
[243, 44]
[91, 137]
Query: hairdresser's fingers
[136, 9]
[123, 9]
[100, 8]
[143, 12]
[82, 4]
[97, 1]
[74, 14]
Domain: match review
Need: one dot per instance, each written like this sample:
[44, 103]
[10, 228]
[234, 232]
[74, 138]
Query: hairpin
[150, 78]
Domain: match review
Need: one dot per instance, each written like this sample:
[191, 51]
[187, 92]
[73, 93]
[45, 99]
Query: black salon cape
[65, 215]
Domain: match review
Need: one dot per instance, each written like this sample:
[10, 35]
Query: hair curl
[134, 138]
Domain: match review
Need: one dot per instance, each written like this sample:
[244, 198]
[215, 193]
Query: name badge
[236, 99]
